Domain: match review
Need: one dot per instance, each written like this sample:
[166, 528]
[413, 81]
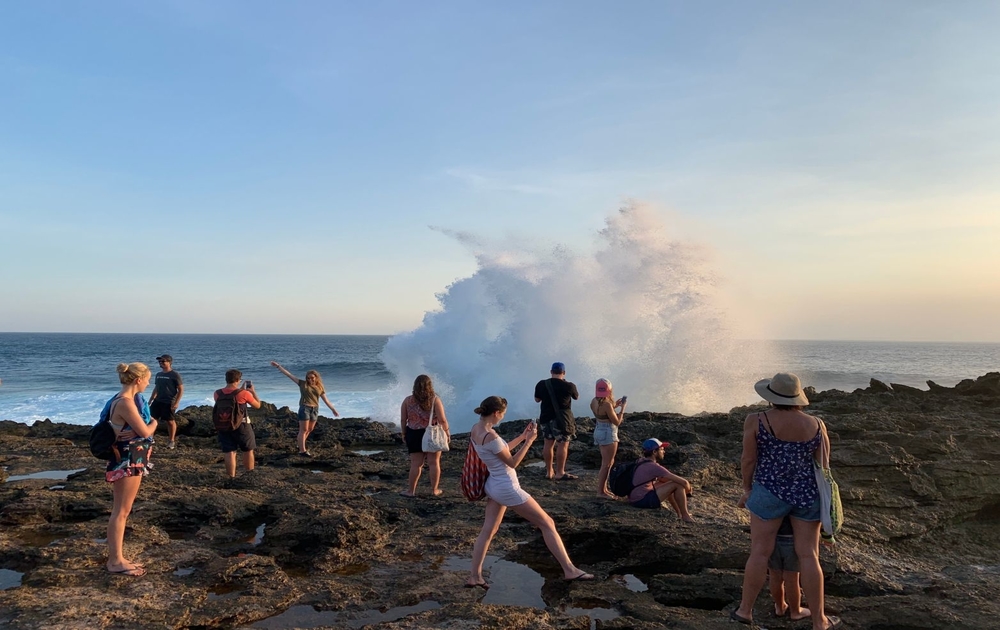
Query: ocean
[68, 377]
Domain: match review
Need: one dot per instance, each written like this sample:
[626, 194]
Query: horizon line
[283, 334]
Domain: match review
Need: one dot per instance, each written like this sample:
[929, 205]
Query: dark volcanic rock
[328, 542]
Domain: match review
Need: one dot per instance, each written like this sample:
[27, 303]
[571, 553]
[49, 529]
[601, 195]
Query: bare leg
[494, 515]
[674, 493]
[124, 492]
[794, 597]
[172, 429]
[248, 461]
[562, 452]
[416, 465]
[230, 459]
[608, 452]
[681, 504]
[434, 471]
[305, 428]
[762, 535]
[534, 514]
[547, 456]
[776, 583]
[807, 549]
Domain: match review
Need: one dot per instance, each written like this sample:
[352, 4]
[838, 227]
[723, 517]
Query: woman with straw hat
[779, 447]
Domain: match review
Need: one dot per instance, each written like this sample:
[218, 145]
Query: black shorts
[241, 439]
[415, 440]
[161, 410]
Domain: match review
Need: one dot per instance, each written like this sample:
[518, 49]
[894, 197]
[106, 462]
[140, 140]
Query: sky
[301, 167]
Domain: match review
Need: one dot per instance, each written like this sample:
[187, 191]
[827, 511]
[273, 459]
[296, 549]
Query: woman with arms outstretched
[310, 393]
[503, 491]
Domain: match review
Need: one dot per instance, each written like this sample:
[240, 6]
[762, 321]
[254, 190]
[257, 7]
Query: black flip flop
[483, 585]
[583, 577]
[738, 619]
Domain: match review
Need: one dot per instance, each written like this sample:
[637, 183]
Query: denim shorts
[308, 414]
[769, 507]
[605, 433]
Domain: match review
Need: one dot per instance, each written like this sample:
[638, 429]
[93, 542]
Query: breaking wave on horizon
[641, 308]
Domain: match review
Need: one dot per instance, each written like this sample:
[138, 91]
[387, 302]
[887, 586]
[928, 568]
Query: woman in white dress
[503, 491]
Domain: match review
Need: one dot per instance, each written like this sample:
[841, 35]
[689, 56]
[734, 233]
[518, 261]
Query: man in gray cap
[556, 421]
[168, 388]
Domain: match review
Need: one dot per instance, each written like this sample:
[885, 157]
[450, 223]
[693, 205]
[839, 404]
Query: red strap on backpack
[474, 474]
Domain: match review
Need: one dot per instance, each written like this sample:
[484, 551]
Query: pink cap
[603, 388]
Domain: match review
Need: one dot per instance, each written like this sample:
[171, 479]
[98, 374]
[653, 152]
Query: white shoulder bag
[435, 437]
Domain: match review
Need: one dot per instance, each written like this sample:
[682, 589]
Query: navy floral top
[786, 468]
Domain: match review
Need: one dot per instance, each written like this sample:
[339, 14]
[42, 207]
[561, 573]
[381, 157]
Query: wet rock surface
[327, 542]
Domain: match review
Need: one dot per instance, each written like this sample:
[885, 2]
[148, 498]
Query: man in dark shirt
[168, 387]
[557, 424]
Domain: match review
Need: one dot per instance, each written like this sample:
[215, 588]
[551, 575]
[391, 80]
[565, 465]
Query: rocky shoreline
[328, 543]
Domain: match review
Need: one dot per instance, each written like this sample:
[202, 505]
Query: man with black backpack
[229, 416]
[555, 420]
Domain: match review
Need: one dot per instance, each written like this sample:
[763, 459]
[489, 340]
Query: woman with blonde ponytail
[129, 415]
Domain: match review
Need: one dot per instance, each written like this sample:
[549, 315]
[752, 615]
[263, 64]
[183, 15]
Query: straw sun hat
[783, 389]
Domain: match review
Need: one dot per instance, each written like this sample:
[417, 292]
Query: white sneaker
[171, 444]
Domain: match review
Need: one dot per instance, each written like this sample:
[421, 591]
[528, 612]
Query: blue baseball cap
[558, 368]
[653, 444]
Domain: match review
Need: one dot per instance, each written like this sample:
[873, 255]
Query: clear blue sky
[275, 166]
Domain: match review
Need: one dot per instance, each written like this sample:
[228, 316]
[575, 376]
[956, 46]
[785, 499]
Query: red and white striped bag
[474, 474]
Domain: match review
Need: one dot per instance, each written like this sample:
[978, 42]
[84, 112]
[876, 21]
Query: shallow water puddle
[56, 487]
[58, 475]
[393, 614]
[180, 533]
[309, 617]
[37, 539]
[633, 583]
[9, 579]
[365, 452]
[511, 584]
[599, 611]
[181, 572]
[258, 536]
[224, 591]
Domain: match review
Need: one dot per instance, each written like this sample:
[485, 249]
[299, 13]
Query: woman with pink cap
[606, 431]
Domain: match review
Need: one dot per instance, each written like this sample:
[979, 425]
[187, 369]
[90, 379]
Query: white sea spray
[641, 308]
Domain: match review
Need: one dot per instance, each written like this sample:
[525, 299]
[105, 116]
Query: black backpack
[620, 477]
[228, 415]
[103, 435]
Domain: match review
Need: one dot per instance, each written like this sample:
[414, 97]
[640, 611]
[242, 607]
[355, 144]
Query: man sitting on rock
[654, 484]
